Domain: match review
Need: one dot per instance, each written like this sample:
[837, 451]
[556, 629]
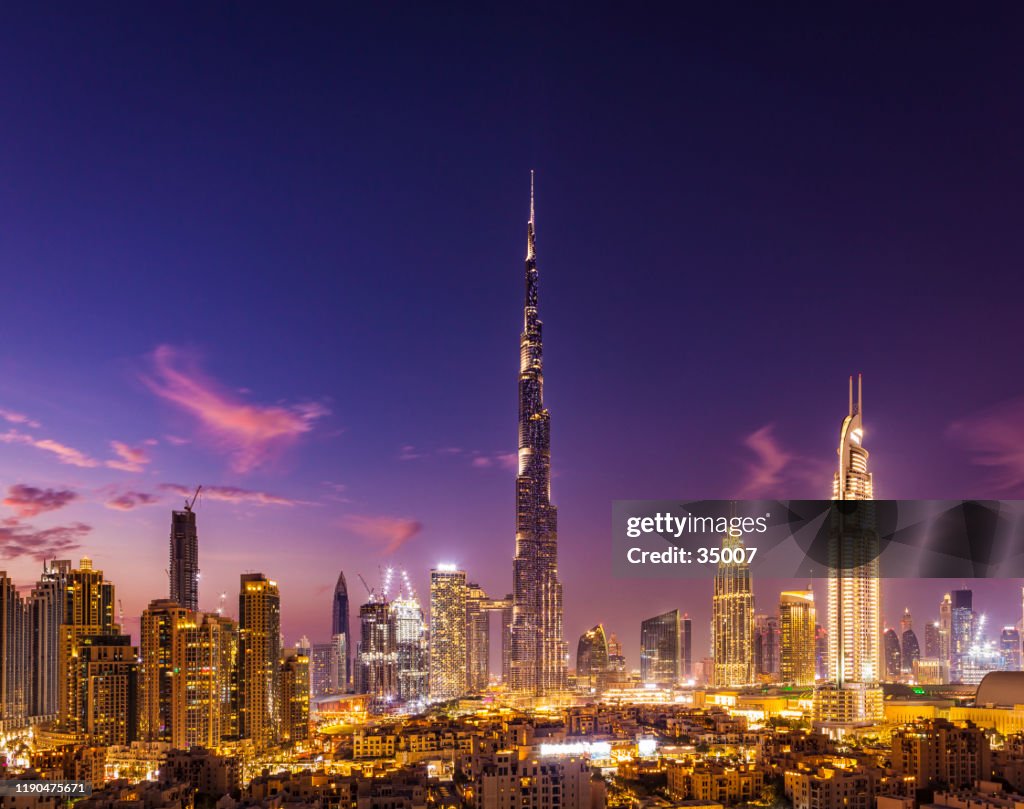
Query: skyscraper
[592, 659]
[340, 636]
[659, 650]
[1010, 649]
[539, 655]
[448, 592]
[163, 640]
[14, 659]
[88, 614]
[184, 569]
[892, 654]
[686, 632]
[259, 650]
[478, 638]
[961, 629]
[767, 647]
[411, 648]
[854, 618]
[46, 614]
[732, 621]
[797, 618]
[376, 667]
[946, 628]
[932, 641]
[294, 696]
[107, 671]
[910, 649]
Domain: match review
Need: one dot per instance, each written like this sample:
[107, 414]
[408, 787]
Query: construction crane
[188, 505]
[369, 590]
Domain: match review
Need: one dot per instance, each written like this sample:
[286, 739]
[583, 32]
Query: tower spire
[531, 237]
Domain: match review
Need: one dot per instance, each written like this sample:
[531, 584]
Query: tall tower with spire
[340, 636]
[854, 603]
[538, 659]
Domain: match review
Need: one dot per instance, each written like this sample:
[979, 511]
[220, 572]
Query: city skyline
[392, 285]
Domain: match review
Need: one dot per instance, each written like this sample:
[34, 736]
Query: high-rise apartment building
[46, 614]
[163, 641]
[184, 566]
[448, 596]
[89, 603]
[411, 648]
[294, 697]
[107, 672]
[14, 655]
[797, 621]
[539, 656]
[946, 628]
[478, 638]
[377, 659]
[259, 650]
[961, 629]
[686, 634]
[660, 658]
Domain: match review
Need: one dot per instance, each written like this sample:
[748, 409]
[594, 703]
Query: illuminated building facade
[539, 656]
[797, 622]
[411, 648]
[946, 627]
[259, 653]
[592, 659]
[377, 658]
[184, 567]
[46, 614]
[961, 629]
[14, 659]
[660, 658]
[892, 654]
[767, 647]
[478, 638]
[854, 605]
[88, 613]
[294, 697]
[732, 621]
[107, 673]
[341, 637]
[163, 634]
[448, 595]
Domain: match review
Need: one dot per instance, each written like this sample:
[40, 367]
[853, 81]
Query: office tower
[910, 649]
[932, 641]
[617, 662]
[478, 638]
[294, 696]
[539, 655]
[854, 618]
[767, 652]
[377, 658]
[14, 658]
[259, 652]
[89, 603]
[592, 659]
[961, 629]
[906, 621]
[946, 628]
[1009, 648]
[732, 621]
[107, 671]
[659, 650]
[340, 634]
[411, 648]
[162, 694]
[797, 623]
[686, 631]
[184, 569]
[893, 655]
[448, 591]
[46, 614]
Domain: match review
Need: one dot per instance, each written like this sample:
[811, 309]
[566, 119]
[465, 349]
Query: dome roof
[1001, 688]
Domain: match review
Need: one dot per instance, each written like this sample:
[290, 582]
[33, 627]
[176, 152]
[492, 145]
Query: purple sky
[280, 254]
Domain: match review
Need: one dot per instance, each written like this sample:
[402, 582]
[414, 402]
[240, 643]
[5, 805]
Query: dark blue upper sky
[322, 208]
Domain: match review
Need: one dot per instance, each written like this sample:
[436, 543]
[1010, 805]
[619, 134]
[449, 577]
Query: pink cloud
[249, 433]
[482, 462]
[233, 494]
[64, 453]
[778, 472]
[995, 439]
[126, 501]
[18, 540]
[28, 501]
[129, 459]
[392, 532]
[19, 418]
